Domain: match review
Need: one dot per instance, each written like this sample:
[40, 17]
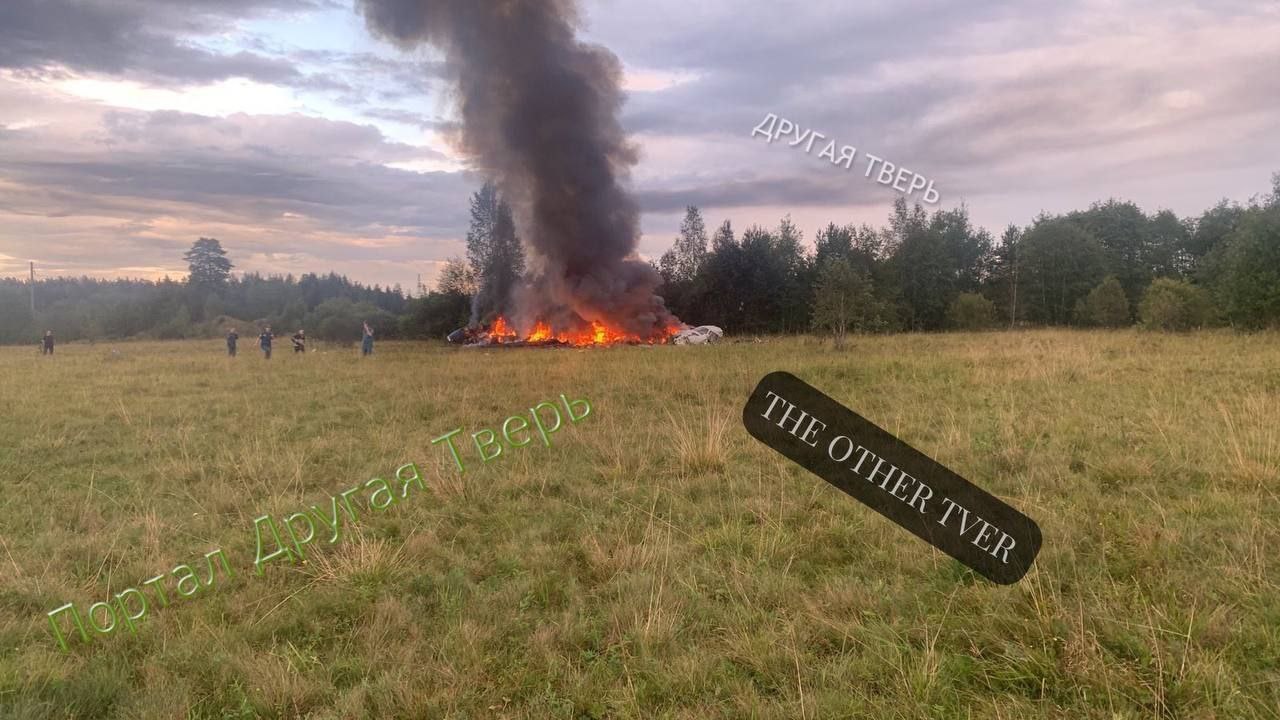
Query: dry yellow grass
[655, 561]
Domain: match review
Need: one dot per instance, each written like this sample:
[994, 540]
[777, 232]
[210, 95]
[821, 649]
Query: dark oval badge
[892, 478]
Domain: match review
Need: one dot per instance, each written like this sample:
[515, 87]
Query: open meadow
[655, 560]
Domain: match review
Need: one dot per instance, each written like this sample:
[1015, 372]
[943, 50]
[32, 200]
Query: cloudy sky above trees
[128, 128]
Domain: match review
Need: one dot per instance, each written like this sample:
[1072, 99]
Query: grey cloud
[977, 128]
[245, 169]
[825, 186]
[408, 117]
[147, 39]
[365, 76]
[277, 136]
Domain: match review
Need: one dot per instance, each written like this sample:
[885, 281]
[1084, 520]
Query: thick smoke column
[540, 116]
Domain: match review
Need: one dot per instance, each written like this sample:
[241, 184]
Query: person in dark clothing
[264, 340]
[232, 337]
[47, 347]
[299, 342]
[366, 346]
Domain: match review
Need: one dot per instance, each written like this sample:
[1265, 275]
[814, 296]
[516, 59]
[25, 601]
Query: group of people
[299, 340]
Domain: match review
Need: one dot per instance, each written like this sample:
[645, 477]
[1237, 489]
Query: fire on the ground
[596, 333]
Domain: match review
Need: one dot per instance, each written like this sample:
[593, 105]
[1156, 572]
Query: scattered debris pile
[596, 334]
[701, 335]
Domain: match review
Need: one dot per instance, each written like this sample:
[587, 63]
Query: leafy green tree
[722, 274]
[919, 265]
[1059, 263]
[834, 242]
[16, 324]
[861, 246]
[760, 284]
[795, 286]
[1168, 238]
[208, 264]
[178, 327]
[213, 307]
[1123, 232]
[681, 263]
[971, 311]
[435, 315]
[934, 259]
[341, 320]
[1105, 306]
[845, 300]
[1210, 234]
[759, 290]
[456, 277]
[1171, 304]
[1002, 280]
[967, 249]
[1248, 277]
[681, 266]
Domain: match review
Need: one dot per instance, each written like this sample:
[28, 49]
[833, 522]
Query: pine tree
[493, 252]
[208, 263]
[691, 246]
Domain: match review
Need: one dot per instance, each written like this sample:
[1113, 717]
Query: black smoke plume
[540, 117]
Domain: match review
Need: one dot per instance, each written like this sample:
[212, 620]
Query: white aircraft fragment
[701, 335]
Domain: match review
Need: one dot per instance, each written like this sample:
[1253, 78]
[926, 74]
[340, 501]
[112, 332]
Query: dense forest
[1111, 265]
[329, 306]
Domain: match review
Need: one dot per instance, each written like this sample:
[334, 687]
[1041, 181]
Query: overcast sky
[128, 128]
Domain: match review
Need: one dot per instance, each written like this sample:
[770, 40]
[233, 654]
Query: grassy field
[655, 561]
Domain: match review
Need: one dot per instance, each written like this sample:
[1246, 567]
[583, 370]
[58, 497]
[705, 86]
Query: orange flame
[501, 331]
[541, 332]
[598, 334]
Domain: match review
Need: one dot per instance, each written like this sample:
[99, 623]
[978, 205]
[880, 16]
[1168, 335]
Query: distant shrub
[342, 321]
[845, 301]
[178, 327]
[1105, 306]
[436, 315]
[971, 311]
[1170, 304]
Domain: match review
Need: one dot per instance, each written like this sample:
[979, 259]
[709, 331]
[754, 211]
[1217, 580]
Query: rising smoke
[540, 117]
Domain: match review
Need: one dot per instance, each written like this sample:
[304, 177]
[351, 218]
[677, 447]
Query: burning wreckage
[501, 334]
[540, 119]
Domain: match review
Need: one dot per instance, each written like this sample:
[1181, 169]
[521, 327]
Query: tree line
[211, 299]
[1111, 265]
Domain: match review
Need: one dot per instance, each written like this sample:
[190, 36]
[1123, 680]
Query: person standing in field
[232, 337]
[264, 340]
[46, 347]
[366, 345]
[299, 342]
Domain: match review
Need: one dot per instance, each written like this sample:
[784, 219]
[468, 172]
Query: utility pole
[33, 292]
